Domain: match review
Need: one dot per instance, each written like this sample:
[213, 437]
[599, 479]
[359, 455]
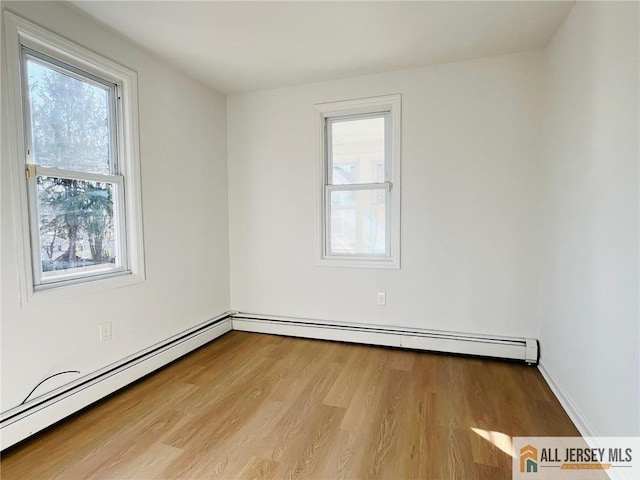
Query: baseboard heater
[525, 349]
[23, 421]
[35, 415]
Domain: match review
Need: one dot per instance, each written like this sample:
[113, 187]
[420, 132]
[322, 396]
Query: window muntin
[357, 189]
[75, 192]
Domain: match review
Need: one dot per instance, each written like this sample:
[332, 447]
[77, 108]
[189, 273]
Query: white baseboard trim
[525, 349]
[35, 415]
[576, 416]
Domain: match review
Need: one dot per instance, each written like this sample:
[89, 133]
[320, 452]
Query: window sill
[359, 262]
[53, 293]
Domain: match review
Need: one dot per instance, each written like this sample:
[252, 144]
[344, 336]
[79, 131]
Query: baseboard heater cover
[524, 349]
[23, 421]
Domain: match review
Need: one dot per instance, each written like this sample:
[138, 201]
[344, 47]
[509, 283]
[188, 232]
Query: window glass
[357, 146]
[77, 228]
[358, 222]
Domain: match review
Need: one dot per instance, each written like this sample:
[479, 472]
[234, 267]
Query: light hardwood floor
[255, 406]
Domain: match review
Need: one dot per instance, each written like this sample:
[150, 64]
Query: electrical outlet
[105, 332]
[382, 299]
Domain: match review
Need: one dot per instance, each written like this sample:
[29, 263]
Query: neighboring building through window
[76, 120]
[360, 184]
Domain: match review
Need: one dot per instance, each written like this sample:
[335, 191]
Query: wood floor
[255, 406]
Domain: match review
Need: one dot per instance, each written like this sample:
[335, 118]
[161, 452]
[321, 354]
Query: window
[360, 158]
[78, 167]
[74, 186]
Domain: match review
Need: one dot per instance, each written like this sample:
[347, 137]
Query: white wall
[470, 136]
[589, 327]
[184, 182]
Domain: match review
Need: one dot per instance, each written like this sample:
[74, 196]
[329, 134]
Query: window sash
[329, 121]
[35, 171]
[386, 188]
[28, 53]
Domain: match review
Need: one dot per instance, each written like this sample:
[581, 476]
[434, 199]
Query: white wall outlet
[382, 299]
[105, 332]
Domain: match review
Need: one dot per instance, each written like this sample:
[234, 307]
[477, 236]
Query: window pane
[77, 228]
[357, 148]
[69, 121]
[358, 222]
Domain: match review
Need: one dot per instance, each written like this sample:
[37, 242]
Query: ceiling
[244, 46]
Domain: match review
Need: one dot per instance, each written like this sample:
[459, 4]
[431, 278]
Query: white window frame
[389, 107]
[21, 33]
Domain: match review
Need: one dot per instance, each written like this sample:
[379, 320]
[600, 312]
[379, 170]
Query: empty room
[320, 240]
